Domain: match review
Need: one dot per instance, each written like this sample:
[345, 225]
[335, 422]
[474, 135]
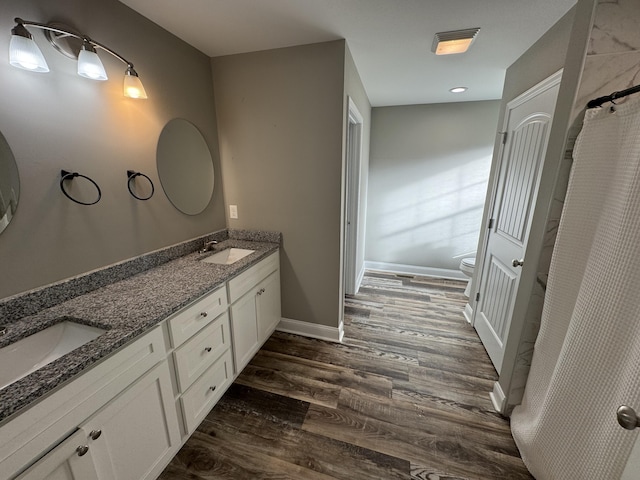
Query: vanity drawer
[200, 398]
[241, 284]
[197, 316]
[197, 354]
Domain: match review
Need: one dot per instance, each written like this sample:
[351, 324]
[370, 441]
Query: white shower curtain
[586, 361]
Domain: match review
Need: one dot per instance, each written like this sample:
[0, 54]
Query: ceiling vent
[457, 41]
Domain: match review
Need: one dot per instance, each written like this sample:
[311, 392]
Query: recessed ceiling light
[457, 41]
[458, 89]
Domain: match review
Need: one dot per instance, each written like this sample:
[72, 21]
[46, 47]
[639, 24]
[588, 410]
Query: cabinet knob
[203, 314]
[213, 389]
[207, 349]
[95, 434]
[82, 450]
[261, 291]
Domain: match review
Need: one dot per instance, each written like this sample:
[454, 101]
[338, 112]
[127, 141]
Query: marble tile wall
[612, 64]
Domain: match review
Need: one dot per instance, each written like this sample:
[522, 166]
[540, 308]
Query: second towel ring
[130, 176]
[70, 176]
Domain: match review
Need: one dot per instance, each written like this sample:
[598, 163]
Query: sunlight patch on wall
[439, 214]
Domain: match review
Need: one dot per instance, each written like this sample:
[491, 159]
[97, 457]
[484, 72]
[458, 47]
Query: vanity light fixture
[24, 53]
[458, 89]
[89, 64]
[457, 41]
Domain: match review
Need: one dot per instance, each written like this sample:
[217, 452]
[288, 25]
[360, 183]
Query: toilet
[467, 265]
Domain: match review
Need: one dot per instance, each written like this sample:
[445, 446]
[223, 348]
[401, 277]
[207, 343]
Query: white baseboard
[416, 270]
[313, 330]
[468, 313]
[498, 399]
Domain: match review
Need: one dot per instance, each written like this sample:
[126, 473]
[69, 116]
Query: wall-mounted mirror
[185, 166]
[9, 184]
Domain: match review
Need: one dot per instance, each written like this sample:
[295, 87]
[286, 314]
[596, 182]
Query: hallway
[405, 396]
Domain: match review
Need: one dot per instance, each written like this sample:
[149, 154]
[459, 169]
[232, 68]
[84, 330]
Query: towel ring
[130, 176]
[70, 176]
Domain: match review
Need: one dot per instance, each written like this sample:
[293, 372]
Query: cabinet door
[136, 434]
[71, 460]
[244, 330]
[268, 305]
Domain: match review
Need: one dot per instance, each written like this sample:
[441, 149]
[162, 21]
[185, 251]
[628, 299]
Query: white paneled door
[526, 133]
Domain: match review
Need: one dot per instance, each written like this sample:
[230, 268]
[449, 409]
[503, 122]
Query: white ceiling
[390, 40]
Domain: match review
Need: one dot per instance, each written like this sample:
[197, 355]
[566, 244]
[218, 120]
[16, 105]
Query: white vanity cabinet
[134, 435]
[129, 438]
[255, 308]
[200, 335]
[125, 402]
[71, 460]
[127, 416]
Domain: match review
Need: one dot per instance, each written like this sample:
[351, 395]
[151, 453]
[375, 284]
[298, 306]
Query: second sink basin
[35, 351]
[228, 256]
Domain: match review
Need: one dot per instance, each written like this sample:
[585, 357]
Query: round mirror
[9, 184]
[185, 166]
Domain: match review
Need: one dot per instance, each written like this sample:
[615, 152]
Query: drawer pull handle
[82, 450]
[207, 349]
[95, 434]
[203, 314]
[261, 291]
[213, 389]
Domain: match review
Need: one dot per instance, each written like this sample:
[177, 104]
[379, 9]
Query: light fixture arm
[84, 38]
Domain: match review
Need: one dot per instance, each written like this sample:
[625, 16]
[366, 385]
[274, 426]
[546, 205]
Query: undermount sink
[35, 351]
[228, 256]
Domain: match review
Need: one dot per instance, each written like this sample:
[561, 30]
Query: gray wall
[280, 120]
[354, 89]
[428, 176]
[563, 46]
[60, 120]
[542, 59]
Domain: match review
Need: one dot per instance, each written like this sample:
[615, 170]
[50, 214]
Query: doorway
[354, 236]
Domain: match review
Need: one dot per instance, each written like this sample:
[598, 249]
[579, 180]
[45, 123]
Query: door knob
[517, 263]
[627, 418]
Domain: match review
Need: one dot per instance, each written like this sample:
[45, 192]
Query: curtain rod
[597, 102]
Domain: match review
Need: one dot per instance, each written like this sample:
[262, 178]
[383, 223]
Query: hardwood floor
[405, 396]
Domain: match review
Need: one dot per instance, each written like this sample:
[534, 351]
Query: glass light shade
[133, 87]
[453, 46]
[90, 66]
[24, 53]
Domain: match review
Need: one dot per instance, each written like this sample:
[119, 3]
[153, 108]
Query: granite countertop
[126, 309]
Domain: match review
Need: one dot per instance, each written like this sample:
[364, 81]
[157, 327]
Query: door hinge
[477, 296]
[504, 137]
[490, 226]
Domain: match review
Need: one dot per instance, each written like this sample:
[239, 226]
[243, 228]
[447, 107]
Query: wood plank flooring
[405, 396]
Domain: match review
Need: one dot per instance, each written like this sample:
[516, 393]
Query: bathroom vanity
[135, 402]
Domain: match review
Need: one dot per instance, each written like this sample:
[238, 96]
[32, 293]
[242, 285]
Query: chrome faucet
[208, 246]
